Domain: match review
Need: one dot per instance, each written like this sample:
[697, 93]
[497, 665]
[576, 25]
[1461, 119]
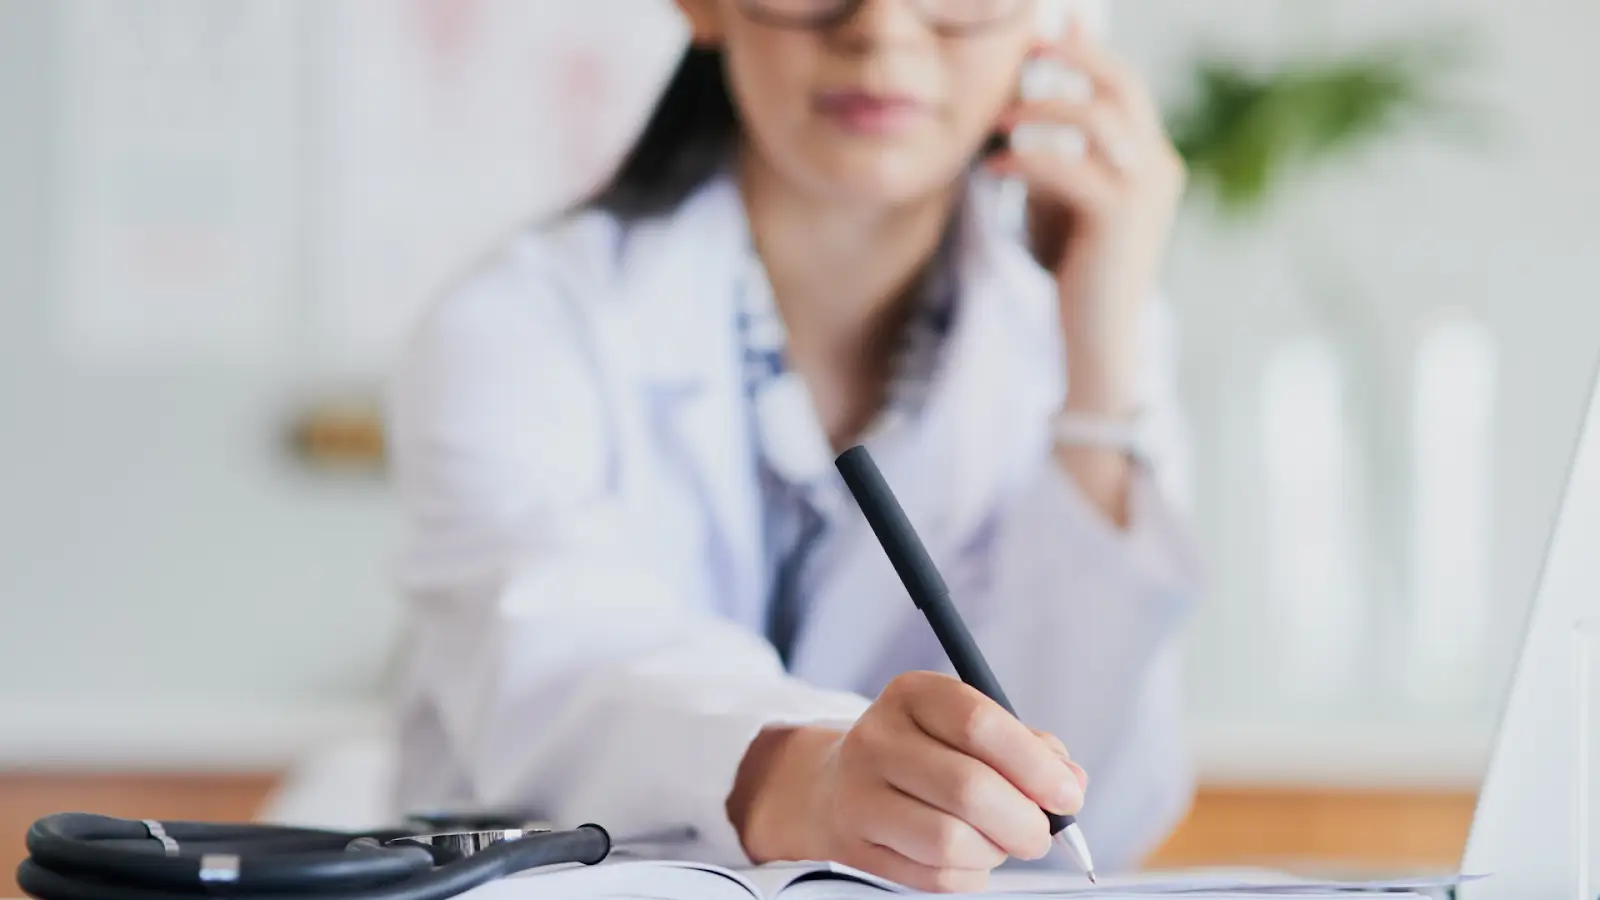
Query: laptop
[1537, 819]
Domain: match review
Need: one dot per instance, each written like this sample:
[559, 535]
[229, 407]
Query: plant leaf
[1245, 133]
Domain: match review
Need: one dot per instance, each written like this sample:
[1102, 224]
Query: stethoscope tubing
[77, 856]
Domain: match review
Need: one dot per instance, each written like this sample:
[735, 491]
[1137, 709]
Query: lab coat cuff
[725, 743]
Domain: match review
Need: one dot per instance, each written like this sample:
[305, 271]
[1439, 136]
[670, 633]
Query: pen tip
[1071, 839]
[1092, 879]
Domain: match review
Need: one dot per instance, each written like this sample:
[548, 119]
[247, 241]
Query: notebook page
[844, 883]
[773, 879]
[621, 880]
[1211, 884]
[856, 890]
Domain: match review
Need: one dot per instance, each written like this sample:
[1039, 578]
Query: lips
[866, 112]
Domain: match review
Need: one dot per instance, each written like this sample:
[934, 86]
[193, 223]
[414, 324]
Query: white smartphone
[1045, 79]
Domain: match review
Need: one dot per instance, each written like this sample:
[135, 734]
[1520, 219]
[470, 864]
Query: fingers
[928, 836]
[1098, 145]
[1109, 76]
[971, 792]
[962, 718]
[1096, 173]
[936, 785]
[1109, 137]
[1085, 185]
[1060, 749]
[899, 868]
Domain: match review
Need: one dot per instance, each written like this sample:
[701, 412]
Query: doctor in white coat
[637, 594]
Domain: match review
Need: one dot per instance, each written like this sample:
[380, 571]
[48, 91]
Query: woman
[639, 596]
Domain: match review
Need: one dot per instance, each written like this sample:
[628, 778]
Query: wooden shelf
[340, 435]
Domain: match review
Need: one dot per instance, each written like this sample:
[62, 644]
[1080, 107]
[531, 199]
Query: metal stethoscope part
[453, 846]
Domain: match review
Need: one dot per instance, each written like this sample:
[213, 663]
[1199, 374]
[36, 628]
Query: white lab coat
[585, 582]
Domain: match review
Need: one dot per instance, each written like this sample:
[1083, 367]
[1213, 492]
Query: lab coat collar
[687, 278]
[682, 270]
[986, 416]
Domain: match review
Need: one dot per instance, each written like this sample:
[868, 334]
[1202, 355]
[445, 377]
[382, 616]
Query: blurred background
[218, 219]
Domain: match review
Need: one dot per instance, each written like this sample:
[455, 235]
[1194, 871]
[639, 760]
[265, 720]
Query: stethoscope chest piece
[453, 846]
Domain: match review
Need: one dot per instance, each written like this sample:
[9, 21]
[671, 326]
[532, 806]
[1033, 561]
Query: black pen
[929, 593]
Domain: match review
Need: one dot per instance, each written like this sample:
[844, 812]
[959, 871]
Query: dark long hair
[687, 140]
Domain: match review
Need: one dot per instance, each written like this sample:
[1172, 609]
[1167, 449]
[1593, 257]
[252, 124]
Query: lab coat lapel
[683, 275]
[985, 422]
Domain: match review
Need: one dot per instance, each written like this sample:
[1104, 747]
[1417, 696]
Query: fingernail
[1118, 154]
[1070, 144]
[1029, 138]
[1080, 774]
[1069, 796]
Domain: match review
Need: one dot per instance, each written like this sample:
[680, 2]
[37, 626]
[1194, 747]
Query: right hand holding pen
[933, 787]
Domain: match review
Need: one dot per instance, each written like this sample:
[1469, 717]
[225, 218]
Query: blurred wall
[1375, 255]
[224, 213]
[165, 567]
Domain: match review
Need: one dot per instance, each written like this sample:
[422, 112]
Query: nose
[877, 24]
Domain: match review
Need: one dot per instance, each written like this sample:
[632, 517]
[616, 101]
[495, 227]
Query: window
[1452, 478]
[1313, 560]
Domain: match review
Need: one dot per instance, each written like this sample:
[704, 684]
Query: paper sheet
[847, 884]
[1210, 884]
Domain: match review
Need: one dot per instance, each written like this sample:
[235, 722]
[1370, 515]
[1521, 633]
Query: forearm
[1103, 476]
[1101, 384]
[627, 716]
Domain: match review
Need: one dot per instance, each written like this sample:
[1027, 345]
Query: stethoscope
[77, 856]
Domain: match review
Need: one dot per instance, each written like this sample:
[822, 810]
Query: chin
[883, 177]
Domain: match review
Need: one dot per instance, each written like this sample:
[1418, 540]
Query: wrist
[1115, 402]
[1099, 452]
[770, 804]
[1101, 474]
[1102, 376]
[1100, 392]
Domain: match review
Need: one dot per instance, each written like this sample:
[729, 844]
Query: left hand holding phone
[1099, 219]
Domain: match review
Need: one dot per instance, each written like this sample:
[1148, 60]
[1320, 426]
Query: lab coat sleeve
[548, 667]
[1089, 615]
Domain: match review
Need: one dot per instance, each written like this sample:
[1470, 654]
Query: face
[884, 106]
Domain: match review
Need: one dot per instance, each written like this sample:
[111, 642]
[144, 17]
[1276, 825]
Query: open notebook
[637, 879]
